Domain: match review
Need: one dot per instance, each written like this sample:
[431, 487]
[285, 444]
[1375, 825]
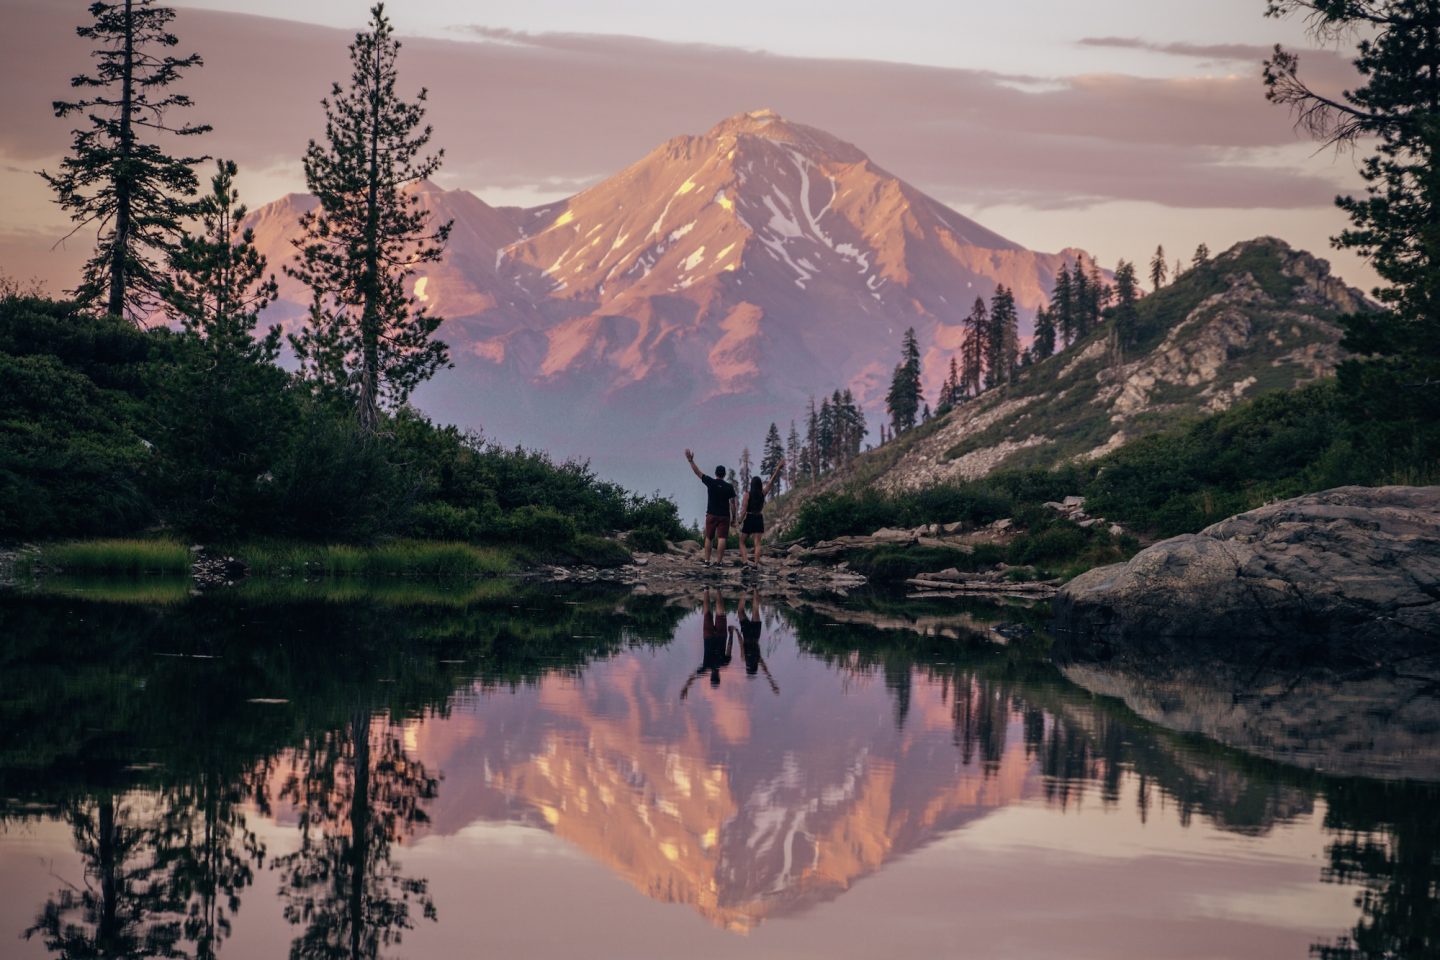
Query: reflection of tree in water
[358, 793]
[162, 873]
[125, 905]
[216, 855]
[1395, 858]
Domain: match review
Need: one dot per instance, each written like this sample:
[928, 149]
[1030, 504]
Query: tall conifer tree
[1126, 293]
[1158, 269]
[217, 284]
[1395, 113]
[774, 452]
[117, 178]
[366, 340]
[973, 349]
[1062, 305]
[1044, 343]
[905, 395]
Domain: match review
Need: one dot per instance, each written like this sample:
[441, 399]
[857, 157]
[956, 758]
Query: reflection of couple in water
[718, 639]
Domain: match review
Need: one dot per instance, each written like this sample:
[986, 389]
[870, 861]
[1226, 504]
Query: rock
[1347, 575]
[1000, 526]
[891, 534]
[953, 528]
[795, 550]
[1116, 530]
[689, 546]
[1073, 503]
[1089, 522]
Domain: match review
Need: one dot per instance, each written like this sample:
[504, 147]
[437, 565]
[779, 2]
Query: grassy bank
[114, 556]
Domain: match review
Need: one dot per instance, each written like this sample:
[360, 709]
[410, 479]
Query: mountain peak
[765, 123]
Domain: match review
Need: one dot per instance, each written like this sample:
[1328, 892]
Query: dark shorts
[754, 523]
[716, 526]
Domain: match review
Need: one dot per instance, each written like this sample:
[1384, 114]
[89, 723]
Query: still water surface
[261, 775]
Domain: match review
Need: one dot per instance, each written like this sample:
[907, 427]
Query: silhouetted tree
[366, 341]
[792, 456]
[1396, 225]
[1044, 343]
[774, 452]
[974, 348]
[116, 177]
[1202, 255]
[905, 395]
[1157, 269]
[1003, 342]
[1126, 294]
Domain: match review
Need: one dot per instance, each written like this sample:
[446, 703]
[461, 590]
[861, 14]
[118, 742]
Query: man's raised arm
[690, 459]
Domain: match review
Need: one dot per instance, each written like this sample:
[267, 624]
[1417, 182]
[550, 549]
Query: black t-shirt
[720, 495]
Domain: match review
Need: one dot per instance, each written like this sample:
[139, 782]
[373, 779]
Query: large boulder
[1350, 574]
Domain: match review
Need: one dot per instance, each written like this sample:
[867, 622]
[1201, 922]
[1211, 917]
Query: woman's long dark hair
[757, 495]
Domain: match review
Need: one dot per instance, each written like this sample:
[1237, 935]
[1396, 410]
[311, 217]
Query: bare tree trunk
[118, 260]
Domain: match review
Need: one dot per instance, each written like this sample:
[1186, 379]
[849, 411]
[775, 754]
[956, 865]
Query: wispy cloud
[543, 112]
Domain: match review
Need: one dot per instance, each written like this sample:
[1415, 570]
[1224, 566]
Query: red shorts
[716, 526]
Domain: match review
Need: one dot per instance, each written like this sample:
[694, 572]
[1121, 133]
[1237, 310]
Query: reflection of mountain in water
[737, 801]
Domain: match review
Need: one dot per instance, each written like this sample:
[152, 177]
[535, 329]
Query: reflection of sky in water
[864, 809]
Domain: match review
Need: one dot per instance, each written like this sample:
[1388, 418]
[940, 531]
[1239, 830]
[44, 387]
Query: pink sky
[1054, 130]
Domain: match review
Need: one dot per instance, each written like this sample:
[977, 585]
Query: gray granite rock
[1350, 573]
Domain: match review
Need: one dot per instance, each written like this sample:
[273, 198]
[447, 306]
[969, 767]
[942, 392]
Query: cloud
[1203, 51]
[542, 113]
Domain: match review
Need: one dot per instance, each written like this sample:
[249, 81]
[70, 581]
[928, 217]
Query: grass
[116, 556]
[402, 558]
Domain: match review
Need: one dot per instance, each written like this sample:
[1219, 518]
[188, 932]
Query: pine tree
[115, 177]
[1178, 269]
[1126, 293]
[1044, 343]
[224, 396]
[1202, 255]
[1157, 269]
[217, 284]
[1003, 342]
[855, 420]
[1395, 375]
[1083, 294]
[825, 435]
[812, 442]
[905, 394]
[1062, 304]
[974, 347]
[773, 453]
[745, 468]
[950, 390]
[792, 457]
[366, 340]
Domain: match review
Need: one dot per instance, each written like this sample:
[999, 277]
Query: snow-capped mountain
[695, 296]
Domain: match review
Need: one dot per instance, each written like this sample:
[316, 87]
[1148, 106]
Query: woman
[752, 509]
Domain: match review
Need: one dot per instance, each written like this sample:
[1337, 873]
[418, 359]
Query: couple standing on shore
[720, 511]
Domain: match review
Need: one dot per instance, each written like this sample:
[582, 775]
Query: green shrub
[539, 526]
[646, 539]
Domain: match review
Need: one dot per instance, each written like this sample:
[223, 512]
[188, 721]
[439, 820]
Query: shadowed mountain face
[702, 292]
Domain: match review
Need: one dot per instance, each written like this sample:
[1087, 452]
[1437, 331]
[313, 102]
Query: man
[719, 508]
[717, 646]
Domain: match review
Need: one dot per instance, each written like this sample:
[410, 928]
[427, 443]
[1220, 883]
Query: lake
[346, 770]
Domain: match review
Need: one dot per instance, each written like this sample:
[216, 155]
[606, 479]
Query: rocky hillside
[1259, 317]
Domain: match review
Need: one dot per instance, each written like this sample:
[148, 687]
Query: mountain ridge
[1259, 317]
